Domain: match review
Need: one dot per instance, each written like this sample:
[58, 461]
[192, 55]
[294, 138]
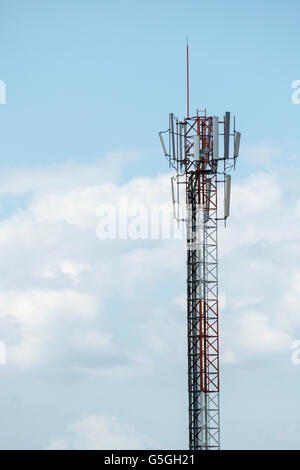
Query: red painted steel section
[208, 309]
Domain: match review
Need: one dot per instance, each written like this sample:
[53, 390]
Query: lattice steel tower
[202, 163]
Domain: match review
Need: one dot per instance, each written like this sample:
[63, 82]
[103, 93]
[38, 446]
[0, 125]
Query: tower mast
[202, 166]
[187, 80]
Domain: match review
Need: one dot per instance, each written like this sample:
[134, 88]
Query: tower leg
[202, 307]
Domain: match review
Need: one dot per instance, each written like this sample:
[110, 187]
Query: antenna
[207, 209]
[187, 80]
[180, 141]
[173, 196]
[227, 196]
[215, 137]
[163, 144]
[172, 136]
[226, 134]
[196, 147]
[237, 141]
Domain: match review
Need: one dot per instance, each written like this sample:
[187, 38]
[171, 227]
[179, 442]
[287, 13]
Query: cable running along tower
[199, 151]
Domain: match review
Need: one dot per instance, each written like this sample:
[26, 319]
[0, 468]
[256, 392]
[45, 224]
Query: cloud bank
[72, 305]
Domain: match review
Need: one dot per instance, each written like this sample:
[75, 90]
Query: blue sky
[90, 79]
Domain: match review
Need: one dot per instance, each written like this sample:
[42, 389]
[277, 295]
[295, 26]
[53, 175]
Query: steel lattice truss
[192, 153]
[202, 308]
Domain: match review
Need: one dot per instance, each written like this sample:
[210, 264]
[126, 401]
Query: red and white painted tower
[199, 151]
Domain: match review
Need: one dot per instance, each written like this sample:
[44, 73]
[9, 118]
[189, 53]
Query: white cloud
[262, 154]
[164, 334]
[289, 309]
[96, 432]
[66, 175]
[53, 326]
[261, 193]
[255, 337]
[59, 280]
[67, 267]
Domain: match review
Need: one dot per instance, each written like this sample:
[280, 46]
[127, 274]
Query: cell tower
[202, 163]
